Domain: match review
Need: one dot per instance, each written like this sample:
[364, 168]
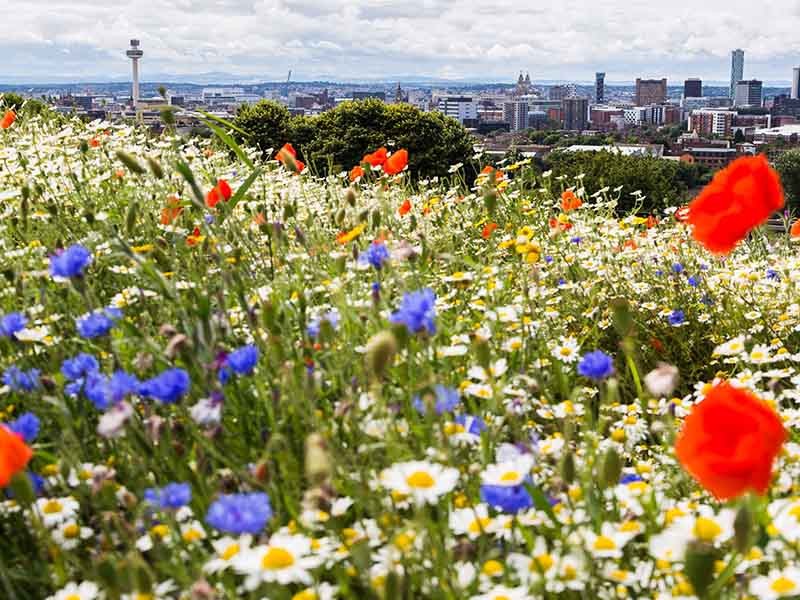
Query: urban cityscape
[717, 124]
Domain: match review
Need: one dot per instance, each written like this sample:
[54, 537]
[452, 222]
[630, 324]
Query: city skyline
[82, 40]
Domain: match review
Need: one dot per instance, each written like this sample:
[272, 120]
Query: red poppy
[682, 214]
[8, 119]
[795, 230]
[376, 158]
[738, 199]
[729, 442]
[221, 191]
[195, 237]
[569, 201]
[651, 222]
[172, 211]
[94, 142]
[14, 455]
[287, 155]
[630, 244]
[356, 172]
[405, 207]
[396, 162]
[488, 229]
[558, 225]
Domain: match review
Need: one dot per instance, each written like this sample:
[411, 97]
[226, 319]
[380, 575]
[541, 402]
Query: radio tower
[135, 54]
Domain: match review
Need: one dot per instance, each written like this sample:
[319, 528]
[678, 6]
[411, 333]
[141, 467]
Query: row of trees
[337, 139]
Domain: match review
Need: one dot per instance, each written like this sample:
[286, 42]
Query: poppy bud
[350, 196]
[130, 162]
[662, 380]
[363, 216]
[318, 460]
[381, 349]
[339, 217]
[155, 167]
[376, 218]
[699, 566]
[568, 468]
[130, 217]
[490, 200]
[482, 352]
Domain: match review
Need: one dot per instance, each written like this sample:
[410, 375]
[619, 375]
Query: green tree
[738, 137]
[788, 167]
[266, 123]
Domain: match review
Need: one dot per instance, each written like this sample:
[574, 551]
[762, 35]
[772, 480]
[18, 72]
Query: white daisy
[422, 481]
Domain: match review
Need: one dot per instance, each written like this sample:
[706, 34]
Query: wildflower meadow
[224, 376]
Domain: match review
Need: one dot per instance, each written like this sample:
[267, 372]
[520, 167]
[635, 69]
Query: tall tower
[737, 69]
[135, 54]
[796, 83]
[599, 87]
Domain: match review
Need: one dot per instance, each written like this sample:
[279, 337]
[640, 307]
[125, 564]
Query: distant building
[795, 83]
[599, 88]
[365, 95]
[635, 116]
[748, 93]
[602, 117]
[711, 122]
[656, 150]
[784, 105]
[575, 112]
[713, 158]
[84, 102]
[737, 70]
[461, 108]
[523, 85]
[515, 113]
[693, 88]
[650, 91]
[559, 92]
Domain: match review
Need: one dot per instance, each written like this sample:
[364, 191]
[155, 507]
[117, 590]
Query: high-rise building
[693, 88]
[599, 88]
[650, 91]
[737, 69]
[795, 84]
[559, 92]
[708, 122]
[461, 108]
[748, 93]
[516, 114]
[575, 112]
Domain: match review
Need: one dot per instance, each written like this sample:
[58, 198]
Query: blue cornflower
[27, 425]
[314, 326]
[21, 381]
[209, 219]
[508, 498]
[596, 365]
[677, 268]
[79, 366]
[172, 495]
[241, 361]
[104, 391]
[417, 311]
[447, 399]
[240, 513]
[676, 317]
[576, 240]
[773, 274]
[98, 323]
[12, 323]
[375, 255]
[629, 478]
[548, 259]
[693, 281]
[471, 424]
[167, 387]
[659, 272]
[70, 262]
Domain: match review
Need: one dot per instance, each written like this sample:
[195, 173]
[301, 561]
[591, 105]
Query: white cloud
[373, 38]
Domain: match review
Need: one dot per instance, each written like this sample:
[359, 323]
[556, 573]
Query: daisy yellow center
[492, 568]
[604, 542]
[782, 585]
[453, 428]
[509, 476]
[479, 525]
[501, 597]
[143, 597]
[706, 529]
[277, 558]
[230, 552]
[629, 527]
[305, 595]
[543, 562]
[52, 507]
[71, 531]
[565, 351]
[420, 479]
[570, 572]
[160, 531]
[192, 535]
[795, 511]
[619, 575]
[73, 597]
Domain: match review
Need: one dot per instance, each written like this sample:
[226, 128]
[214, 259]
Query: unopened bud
[319, 467]
[130, 162]
[350, 196]
[699, 566]
[381, 349]
[743, 529]
[155, 167]
[612, 468]
[568, 468]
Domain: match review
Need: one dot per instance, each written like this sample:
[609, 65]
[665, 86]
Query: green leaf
[231, 143]
[242, 190]
[187, 174]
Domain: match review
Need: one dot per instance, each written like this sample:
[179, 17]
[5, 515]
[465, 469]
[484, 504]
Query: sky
[347, 40]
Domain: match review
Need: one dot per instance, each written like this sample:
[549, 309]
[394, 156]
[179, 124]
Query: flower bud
[743, 529]
[130, 162]
[350, 196]
[612, 468]
[318, 463]
[699, 566]
[381, 349]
